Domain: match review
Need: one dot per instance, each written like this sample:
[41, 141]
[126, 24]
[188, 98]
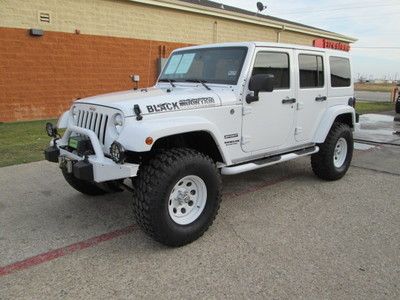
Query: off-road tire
[83, 186]
[397, 106]
[322, 161]
[153, 187]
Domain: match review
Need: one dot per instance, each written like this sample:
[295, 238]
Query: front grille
[96, 122]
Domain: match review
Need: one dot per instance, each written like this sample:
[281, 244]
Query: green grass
[363, 107]
[22, 142]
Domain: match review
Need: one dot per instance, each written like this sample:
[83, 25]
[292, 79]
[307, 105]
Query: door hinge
[298, 130]
[300, 105]
[246, 110]
[245, 139]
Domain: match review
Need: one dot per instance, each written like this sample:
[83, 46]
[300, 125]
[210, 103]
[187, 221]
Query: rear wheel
[335, 154]
[177, 196]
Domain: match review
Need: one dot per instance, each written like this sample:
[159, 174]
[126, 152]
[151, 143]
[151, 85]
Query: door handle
[320, 98]
[289, 101]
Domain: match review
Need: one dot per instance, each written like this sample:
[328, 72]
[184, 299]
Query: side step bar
[269, 161]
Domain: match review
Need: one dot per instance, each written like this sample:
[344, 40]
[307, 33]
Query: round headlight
[75, 112]
[117, 152]
[118, 119]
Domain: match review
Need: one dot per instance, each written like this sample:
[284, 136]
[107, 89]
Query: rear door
[268, 123]
[311, 93]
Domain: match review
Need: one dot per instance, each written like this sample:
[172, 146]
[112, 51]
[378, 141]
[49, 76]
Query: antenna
[261, 6]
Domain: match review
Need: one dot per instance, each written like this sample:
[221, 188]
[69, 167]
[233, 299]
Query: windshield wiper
[171, 81]
[203, 82]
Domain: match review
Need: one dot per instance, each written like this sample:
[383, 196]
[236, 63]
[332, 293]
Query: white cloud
[373, 23]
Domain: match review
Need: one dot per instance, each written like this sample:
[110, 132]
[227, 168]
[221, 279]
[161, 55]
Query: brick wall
[40, 76]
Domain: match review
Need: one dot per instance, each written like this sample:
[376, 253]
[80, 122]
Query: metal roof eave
[199, 9]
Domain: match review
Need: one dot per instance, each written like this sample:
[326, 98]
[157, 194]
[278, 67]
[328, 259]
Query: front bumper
[97, 167]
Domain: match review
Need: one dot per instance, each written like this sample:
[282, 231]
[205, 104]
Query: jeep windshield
[221, 65]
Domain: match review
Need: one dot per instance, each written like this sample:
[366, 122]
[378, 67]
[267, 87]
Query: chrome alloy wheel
[340, 152]
[187, 200]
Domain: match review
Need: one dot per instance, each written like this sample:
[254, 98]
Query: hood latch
[138, 112]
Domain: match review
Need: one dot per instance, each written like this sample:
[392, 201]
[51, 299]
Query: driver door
[268, 123]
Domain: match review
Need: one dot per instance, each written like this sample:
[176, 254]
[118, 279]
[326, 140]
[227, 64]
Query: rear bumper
[97, 167]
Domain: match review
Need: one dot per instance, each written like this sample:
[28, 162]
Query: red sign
[323, 43]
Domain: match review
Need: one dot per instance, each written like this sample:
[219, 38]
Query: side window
[311, 71]
[340, 71]
[274, 63]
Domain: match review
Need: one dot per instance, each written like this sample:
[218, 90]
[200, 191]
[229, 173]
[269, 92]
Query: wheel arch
[193, 132]
[343, 114]
[201, 141]
[346, 118]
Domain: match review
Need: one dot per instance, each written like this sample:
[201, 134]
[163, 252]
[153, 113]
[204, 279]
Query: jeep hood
[156, 100]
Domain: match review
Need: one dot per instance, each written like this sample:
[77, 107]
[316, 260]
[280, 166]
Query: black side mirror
[260, 83]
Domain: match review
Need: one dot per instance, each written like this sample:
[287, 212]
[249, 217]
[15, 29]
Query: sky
[375, 24]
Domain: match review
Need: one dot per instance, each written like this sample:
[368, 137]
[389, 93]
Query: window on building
[311, 71]
[340, 71]
[276, 64]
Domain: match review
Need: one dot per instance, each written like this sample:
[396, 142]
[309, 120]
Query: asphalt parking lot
[281, 233]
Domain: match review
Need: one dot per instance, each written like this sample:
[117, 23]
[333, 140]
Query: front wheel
[335, 154]
[177, 196]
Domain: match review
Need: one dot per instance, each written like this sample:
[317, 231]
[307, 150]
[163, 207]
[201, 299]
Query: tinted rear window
[340, 71]
[311, 71]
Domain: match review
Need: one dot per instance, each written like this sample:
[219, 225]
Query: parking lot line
[60, 252]
[91, 242]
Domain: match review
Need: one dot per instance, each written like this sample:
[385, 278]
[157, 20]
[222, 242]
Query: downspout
[278, 34]
[215, 32]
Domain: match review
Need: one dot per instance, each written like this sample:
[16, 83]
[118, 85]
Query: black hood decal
[181, 104]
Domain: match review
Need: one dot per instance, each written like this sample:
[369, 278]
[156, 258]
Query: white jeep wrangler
[215, 109]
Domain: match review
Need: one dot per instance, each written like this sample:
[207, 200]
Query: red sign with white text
[323, 43]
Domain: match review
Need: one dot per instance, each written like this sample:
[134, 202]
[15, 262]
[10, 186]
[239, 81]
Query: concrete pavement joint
[375, 170]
